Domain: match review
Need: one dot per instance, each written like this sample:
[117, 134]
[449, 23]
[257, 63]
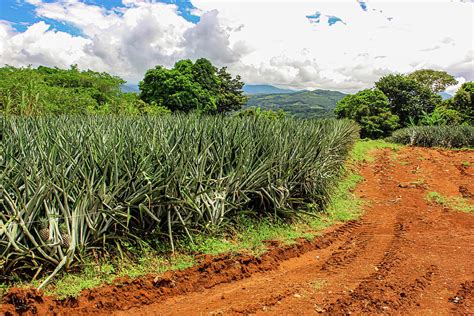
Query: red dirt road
[405, 256]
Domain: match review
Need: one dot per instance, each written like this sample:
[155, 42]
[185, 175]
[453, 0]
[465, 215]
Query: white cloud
[452, 90]
[210, 39]
[265, 41]
[388, 37]
[39, 45]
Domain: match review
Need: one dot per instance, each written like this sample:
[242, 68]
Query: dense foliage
[305, 104]
[463, 102]
[192, 86]
[72, 184]
[43, 90]
[370, 108]
[408, 100]
[436, 81]
[29, 91]
[435, 136]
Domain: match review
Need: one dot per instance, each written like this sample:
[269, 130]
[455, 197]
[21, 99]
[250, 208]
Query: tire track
[463, 301]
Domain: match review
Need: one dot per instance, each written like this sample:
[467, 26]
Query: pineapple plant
[65, 238]
[44, 229]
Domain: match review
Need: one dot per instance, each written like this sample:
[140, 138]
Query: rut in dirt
[405, 255]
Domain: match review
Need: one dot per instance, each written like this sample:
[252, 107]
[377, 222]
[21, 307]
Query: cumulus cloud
[292, 44]
[377, 38]
[39, 45]
[126, 41]
[210, 39]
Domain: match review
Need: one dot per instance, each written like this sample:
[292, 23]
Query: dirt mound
[406, 255]
[127, 293]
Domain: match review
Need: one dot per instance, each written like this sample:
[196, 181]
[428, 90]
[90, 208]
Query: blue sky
[343, 45]
[21, 14]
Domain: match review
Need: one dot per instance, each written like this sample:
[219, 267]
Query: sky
[300, 44]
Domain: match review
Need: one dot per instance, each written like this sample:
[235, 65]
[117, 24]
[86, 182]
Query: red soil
[405, 256]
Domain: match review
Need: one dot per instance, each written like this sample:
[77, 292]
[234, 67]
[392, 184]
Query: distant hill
[298, 103]
[264, 89]
[315, 103]
[130, 87]
[445, 95]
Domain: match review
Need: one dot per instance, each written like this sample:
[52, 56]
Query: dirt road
[406, 255]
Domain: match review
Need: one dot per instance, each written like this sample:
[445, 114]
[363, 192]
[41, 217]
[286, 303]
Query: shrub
[370, 108]
[435, 136]
[30, 91]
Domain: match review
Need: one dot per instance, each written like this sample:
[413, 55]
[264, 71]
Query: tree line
[188, 86]
[395, 101]
[401, 100]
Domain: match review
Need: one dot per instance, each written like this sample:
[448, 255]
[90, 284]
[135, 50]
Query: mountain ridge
[303, 103]
[250, 89]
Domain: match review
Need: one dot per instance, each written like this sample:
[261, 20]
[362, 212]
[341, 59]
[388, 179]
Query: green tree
[231, 97]
[175, 88]
[204, 73]
[436, 81]
[370, 108]
[408, 99]
[192, 86]
[463, 101]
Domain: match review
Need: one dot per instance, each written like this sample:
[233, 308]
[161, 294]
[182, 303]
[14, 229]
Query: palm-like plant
[72, 184]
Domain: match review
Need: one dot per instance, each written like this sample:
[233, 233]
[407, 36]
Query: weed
[436, 198]
[318, 284]
[454, 203]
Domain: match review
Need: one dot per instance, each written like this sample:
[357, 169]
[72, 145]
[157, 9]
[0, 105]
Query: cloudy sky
[340, 45]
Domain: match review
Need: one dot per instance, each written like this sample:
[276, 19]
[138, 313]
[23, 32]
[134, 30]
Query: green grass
[95, 274]
[246, 235]
[455, 203]
[362, 149]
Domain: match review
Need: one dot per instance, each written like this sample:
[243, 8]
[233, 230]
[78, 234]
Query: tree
[408, 99]
[231, 97]
[192, 86]
[370, 108]
[463, 101]
[436, 81]
[175, 88]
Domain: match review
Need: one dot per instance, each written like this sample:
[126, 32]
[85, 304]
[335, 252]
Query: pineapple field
[75, 185]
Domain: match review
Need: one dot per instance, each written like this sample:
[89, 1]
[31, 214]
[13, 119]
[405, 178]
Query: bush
[370, 108]
[435, 136]
[29, 91]
[72, 184]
